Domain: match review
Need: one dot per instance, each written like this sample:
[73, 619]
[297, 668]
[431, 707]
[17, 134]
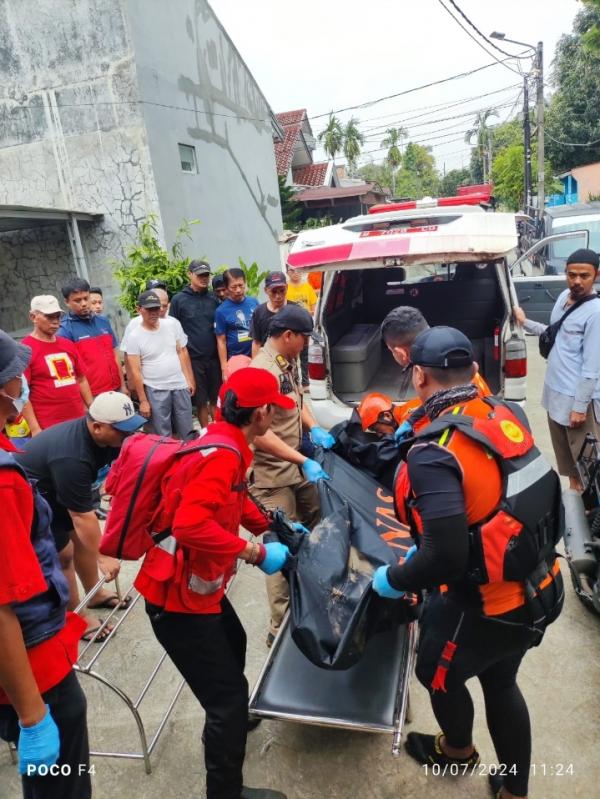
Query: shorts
[171, 410]
[62, 525]
[567, 441]
[207, 374]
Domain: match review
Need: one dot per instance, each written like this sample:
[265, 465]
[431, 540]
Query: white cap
[116, 409]
[45, 303]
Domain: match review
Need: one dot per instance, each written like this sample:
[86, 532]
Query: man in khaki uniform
[283, 476]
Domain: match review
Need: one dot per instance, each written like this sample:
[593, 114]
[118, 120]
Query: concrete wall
[71, 133]
[186, 62]
[588, 181]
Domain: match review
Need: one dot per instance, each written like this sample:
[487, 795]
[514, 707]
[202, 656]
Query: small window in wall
[187, 156]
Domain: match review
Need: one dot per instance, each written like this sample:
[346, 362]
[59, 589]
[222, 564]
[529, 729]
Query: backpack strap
[237, 487]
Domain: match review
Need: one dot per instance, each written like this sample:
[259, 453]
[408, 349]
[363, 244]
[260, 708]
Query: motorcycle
[582, 526]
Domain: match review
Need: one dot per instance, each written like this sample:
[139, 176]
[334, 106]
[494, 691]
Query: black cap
[156, 283]
[292, 317]
[14, 358]
[148, 299]
[275, 279]
[218, 281]
[442, 347]
[584, 256]
[199, 267]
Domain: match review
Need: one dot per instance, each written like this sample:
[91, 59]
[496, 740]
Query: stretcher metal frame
[402, 706]
[85, 666]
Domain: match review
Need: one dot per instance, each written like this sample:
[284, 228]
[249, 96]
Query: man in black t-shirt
[276, 291]
[65, 460]
[195, 308]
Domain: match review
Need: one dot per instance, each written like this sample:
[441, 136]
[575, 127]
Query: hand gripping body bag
[333, 609]
[135, 483]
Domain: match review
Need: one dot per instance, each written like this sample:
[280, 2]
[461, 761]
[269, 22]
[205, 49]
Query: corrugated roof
[327, 193]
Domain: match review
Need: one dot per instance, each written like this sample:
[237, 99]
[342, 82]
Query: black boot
[261, 793]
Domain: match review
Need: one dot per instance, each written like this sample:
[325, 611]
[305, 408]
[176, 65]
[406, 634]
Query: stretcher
[371, 696]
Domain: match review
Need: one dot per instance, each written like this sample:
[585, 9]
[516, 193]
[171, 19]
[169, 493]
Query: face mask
[23, 398]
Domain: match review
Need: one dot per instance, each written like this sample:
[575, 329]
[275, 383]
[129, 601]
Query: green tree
[452, 180]
[147, 259]
[418, 176]
[376, 173]
[591, 37]
[508, 175]
[291, 211]
[332, 137]
[573, 111]
[353, 141]
[482, 134]
[393, 141]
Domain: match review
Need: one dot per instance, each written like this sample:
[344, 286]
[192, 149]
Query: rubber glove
[410, 553]
[275, 559]
[321, 438]
[39, 745]
[313, 471]
[381, 584]
[300, 528]
[403, 432]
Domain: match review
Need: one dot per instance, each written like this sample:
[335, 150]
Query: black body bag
[548, 337]
[333, 609]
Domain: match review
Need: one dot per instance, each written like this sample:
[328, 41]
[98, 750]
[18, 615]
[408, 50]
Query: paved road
[561, 681]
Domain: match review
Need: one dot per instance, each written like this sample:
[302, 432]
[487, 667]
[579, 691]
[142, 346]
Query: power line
[477, 42]
[476, 29]
[572, 143]
[408, 91]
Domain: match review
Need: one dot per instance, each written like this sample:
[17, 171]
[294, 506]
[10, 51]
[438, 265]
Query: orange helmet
[371, 407]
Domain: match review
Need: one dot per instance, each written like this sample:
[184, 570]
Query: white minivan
[450, 262]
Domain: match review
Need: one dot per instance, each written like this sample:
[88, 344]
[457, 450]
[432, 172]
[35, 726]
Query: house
[294, 153]
[339, 203]
[116, 109]
[580, 185]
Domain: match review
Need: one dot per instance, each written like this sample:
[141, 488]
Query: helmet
[371, 407]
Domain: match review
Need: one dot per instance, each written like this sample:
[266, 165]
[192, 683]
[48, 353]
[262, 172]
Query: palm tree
[353, 140]
[483, 135]
[394, 156]
[332, 137]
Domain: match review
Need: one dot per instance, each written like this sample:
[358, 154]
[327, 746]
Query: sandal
[92, 633]
[111, 602]
[427, 750]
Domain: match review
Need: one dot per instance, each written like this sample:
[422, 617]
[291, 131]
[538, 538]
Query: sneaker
[261, 793]
[427, 750]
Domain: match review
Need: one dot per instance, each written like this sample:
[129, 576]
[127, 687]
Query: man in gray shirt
[571, 394]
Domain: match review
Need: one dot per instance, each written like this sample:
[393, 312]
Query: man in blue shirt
[232, 319]
[571, 394]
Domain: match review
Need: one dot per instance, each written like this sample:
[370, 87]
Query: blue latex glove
[313, 471]
[275, 559]
[410, 553]
[300, 528]
[382, 586]
[403, 432]
[321, 438]
[38, 745]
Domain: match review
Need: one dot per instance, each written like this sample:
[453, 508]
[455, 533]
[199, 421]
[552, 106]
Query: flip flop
[111, 602]
[92, 634]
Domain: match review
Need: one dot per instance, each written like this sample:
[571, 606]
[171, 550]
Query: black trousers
[209, 649]
[492, 652]
[68, 707]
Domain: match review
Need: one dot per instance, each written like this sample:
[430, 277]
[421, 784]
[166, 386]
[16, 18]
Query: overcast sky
[321, 56]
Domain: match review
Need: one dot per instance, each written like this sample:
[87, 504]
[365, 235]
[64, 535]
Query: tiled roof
[291, 122]
[326, 192]
[311, 175]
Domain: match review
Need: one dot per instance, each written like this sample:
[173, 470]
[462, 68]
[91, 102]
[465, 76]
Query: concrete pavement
[560, 679]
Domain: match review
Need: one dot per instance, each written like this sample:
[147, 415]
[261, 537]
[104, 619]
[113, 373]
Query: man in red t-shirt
[58, 387]
[42, 706]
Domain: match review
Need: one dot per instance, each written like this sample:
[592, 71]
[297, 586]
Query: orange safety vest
[510, 491]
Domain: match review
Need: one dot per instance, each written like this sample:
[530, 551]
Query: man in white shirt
[159, 369]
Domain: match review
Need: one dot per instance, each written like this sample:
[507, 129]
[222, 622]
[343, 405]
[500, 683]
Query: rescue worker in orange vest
[478, 620]
[399, 329]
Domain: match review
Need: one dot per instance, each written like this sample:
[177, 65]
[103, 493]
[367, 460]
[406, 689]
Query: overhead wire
[476, 29]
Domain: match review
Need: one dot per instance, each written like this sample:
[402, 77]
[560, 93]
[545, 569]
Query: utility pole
[527, 142]
[540, 129]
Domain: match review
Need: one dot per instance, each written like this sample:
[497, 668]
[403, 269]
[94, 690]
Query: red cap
[255, 387]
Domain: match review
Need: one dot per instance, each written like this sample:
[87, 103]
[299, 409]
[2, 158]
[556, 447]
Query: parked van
[449, 262]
